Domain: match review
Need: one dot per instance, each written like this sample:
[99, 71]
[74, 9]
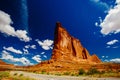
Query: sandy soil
[53, 77]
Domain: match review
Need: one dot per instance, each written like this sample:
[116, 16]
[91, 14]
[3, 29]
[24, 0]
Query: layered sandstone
[2, 63]
[68, 48]
[5, 66]
[69, 55]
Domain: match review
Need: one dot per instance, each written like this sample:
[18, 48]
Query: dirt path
[52, 77]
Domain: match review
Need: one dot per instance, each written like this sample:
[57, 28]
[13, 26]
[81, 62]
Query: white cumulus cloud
[6, 28]
[112, 42]
[6, 55]
[37, 58]
[12, 50]
[46, 44]
[23, 60]
[111, 23]
[116, 60]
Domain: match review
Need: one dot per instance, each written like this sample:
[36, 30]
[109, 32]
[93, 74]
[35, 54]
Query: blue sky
[27, 28]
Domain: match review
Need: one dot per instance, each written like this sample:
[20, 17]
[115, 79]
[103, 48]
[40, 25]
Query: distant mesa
[5, 66]
[68, 48]
[2, 63]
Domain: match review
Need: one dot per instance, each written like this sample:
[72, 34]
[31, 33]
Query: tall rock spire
[68, 48]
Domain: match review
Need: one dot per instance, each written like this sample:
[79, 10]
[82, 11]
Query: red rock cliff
[68, 48]
[2, 63]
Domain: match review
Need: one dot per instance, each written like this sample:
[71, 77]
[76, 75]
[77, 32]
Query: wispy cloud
[112, 42]
[107, 46]
[45, 44]
[44, 56]
[112, 47]
[30, 46]
[104, 56]
[42, 52]
[12, 50]
[116, 47]
[6, 28]
[101, 4]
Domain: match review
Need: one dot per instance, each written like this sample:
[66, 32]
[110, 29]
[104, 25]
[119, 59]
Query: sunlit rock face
[68, 48]
[2, 63]
[5, 66]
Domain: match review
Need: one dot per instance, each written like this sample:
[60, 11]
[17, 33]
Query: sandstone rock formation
[68, 54]
[2, 63]
[68, 48]
[4, 66]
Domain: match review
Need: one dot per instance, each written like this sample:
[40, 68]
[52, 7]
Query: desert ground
[53, 77]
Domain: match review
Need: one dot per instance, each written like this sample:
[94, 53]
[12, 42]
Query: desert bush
[43, 71]
[66, 73]
[58, 74]
[21, 75]
[72, 74]
[111, 75]
[15, 74]
[81, 71]
[92, 71]
[4, 74]
[48, 73]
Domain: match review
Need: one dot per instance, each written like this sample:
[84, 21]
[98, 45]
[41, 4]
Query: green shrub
[58, 74]
[15, 74]
[21, 75]
[92, 71]
[81, 72]
[43, 71]
[72, 74]
[48, 73]
[66, 73]
[4, 74]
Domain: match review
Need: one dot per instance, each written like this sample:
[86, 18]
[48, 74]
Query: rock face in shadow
[68, 48]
